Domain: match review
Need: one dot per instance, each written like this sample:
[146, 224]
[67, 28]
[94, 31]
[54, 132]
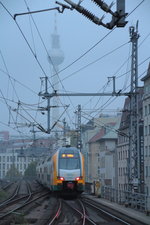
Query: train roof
[61, 150]
[68, 149]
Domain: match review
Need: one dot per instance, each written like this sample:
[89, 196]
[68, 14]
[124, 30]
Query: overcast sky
[20, 71]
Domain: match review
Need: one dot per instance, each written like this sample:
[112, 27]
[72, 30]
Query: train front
[70, 170]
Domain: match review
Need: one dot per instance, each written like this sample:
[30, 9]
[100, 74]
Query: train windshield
[69, 163]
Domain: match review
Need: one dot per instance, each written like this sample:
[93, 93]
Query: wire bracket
[118, 17]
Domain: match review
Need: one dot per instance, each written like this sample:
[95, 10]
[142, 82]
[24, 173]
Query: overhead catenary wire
[95, 61]
[114, 98]
[23, 85]
[6, 68]
[24, 37]
[26, 42]
[56, 73]
[101, 124]
[86, 52]
[97, 42]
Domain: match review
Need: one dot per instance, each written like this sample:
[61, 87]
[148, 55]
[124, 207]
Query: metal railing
[135, 200]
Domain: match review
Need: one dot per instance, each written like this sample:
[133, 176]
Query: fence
[134, 200]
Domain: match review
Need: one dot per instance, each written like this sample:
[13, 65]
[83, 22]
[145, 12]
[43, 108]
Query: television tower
[55, 58]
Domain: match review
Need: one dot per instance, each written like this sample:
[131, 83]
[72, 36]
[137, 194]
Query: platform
[141, 216]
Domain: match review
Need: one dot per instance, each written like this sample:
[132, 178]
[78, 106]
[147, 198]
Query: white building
[10, 159]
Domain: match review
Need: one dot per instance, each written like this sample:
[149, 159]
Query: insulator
[102, 5]
[88, 14]
[84, 11]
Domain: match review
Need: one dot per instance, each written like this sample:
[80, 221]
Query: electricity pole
[64, 132]
[79, 142]
[134, 159]
[46, 95]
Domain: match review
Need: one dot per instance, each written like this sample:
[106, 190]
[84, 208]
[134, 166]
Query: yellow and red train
[64, 171]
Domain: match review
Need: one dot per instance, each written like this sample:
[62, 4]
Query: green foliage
[3, 195]
[19, 219]
[31, 170]
[13, 173]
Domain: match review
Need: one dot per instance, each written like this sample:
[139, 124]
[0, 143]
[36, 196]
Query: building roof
[147, 75]
[98, 136]
[107, 132]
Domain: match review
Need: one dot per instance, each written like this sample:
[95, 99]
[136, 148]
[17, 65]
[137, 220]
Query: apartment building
[123, 144]
[102, 154]
[13, 159]
[146, 118]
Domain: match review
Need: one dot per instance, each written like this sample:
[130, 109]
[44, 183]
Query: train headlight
[61, 178]
[78, 178]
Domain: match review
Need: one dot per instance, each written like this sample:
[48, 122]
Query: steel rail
[27, 202]
[105, 212]
[14, 194]
[57, 213]
[83, 215]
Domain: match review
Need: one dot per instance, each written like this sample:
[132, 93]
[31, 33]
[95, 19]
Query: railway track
[87, 212]
[108, 215]
[81, 211]
[18, 201]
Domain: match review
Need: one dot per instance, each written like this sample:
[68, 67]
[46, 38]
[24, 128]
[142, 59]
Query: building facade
[102, 154]
[146, 117]
[9, 160]
[123, 145]
[90, 147]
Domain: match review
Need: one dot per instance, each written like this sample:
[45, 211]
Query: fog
[24, 45]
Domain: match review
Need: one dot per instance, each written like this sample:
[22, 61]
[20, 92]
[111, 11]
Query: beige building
[91, 149]
[102, 154]
[146, 117]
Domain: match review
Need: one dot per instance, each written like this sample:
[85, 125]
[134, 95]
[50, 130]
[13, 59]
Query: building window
[146, 110]
[146, 171]
[145, 130]
[146, 151]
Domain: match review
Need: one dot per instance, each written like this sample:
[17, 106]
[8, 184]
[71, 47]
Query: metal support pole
[79, 145]
[64, 132]
[134, 157]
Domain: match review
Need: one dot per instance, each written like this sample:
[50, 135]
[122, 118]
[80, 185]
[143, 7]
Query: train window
[69, 163]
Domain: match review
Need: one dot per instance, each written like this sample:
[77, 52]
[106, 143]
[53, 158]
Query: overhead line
[26, 41]
[56, 72]
[82, 68]
[86, 51]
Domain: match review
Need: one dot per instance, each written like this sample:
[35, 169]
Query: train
[63, 172]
